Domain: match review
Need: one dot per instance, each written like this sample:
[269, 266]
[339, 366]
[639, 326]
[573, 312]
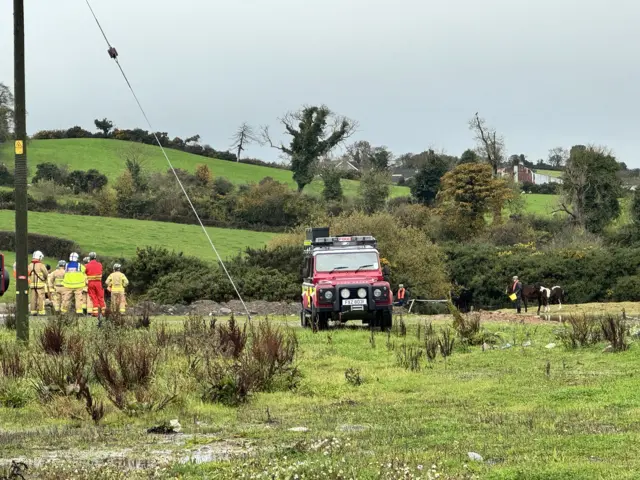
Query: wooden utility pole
[22, 286]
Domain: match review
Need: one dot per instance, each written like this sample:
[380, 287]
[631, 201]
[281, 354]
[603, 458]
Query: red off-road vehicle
[343, 280]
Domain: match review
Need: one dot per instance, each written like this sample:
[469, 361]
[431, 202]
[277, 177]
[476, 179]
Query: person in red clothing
[94, 284]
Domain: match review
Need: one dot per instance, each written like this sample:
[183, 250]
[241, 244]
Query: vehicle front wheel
[384, 320]
[321, 321]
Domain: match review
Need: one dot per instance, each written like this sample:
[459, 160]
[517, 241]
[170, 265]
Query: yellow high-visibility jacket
[117, 282]
[74, 276]
[38, 274]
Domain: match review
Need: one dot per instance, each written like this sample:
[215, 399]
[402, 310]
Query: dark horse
[532, 293]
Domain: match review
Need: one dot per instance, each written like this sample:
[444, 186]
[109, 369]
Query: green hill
[105, 156]
[120, 237]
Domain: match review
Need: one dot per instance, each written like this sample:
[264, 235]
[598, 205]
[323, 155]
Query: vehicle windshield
[345, 262]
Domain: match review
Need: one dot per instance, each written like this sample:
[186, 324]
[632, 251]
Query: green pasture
[106, 156]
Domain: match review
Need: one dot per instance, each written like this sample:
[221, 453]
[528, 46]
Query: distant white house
[522, 174]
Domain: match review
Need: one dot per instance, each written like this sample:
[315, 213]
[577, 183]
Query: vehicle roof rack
[344, 241]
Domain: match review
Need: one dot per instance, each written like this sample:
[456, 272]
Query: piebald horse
[552, 295]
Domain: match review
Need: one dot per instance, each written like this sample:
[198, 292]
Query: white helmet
[62, 263]
[73, 257]
[38, 255]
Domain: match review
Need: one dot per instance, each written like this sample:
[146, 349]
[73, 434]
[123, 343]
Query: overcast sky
[412, 72]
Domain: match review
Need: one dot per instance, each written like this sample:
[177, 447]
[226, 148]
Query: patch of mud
[134, 458]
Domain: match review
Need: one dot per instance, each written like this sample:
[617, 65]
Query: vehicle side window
[310, 268]
[307, 269]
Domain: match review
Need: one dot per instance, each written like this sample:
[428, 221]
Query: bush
[545, 188]
[222, 186]
[50, 171]
[241, 364]
[80, 208]
[125, 369]
[627, 289]
[86, 182]
[273, 203]
[587, 274]
[375, 187]
[50, 246]
[13, 363]
[6, 177]
[78, 132]
[615, 330]
[14, 393]
[579, 331]
[511, 233]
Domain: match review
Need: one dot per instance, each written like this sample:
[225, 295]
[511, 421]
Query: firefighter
[87, 306]
[116, 284]
[94, 283]
[56, 287]
[37, 274]
[402, 293]
[73, 283]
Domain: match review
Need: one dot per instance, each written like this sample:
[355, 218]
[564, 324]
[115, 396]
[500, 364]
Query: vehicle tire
[387, 321]
[321, 320]
[304, 323]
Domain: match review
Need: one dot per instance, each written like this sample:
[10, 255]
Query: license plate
[355, 301]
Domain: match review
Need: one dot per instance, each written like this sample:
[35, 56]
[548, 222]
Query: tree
[426, 183]
[195, 139]
[468, 193]
[591, 187]
[318, 131]
[134, 156]
[469, 156]
[6, 113]
[380, 159]
[635, 207]
[374, 190]
[203, 175]
[490, 144]
[363, 156]
[50, 171]
[557, 157]
[104, 125]
[331, 177]
[243, 136]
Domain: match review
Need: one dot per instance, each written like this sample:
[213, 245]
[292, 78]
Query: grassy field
[539, 204]
[105, 156]
[121, 237]
[550, 173]
[528, 411]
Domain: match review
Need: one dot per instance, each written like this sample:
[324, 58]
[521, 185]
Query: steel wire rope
[113, 54]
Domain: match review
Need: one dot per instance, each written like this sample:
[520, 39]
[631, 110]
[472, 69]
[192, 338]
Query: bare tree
[490, 145]
[576, 188]
[314, 132]
[558, 156]
[243, 136]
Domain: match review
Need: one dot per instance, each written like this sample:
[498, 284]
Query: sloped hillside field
[105, 155]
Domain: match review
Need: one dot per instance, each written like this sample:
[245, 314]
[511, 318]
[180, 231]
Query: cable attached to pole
[113, 53]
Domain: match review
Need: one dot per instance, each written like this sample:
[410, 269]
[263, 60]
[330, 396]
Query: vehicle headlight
[344, 293]
[362, 293]
[377, 293]
[328, 295]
